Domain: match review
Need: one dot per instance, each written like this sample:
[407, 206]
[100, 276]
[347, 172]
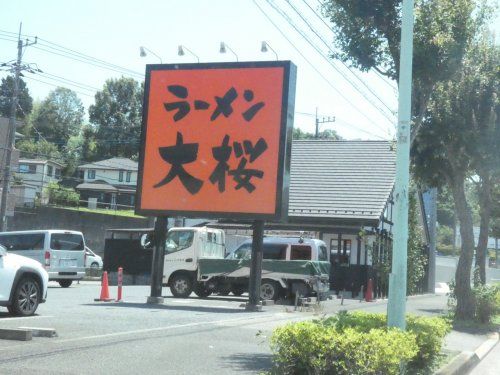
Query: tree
[59, 116]
[416, 261]
[369, 38]
[369, 33]
[25, 101]
[450, 147]
[117, 115]
[482, 85]
[325, 134]
[40, 149]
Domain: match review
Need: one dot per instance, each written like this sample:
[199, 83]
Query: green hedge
[358, 343]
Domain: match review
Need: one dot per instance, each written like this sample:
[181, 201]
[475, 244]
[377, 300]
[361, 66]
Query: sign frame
[285, 142]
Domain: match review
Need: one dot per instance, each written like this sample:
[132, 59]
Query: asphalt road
[183, 336]
[446, 267]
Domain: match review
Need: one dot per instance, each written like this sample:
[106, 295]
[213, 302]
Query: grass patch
[124, 213]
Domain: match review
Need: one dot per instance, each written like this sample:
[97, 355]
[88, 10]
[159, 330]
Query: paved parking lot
[181, 336]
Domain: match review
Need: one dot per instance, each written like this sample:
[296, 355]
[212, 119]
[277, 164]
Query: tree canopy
[59, 116]
[25, 101]
[325, 134]
[117, 116]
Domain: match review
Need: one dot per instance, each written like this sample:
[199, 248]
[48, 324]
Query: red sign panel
[216, 139]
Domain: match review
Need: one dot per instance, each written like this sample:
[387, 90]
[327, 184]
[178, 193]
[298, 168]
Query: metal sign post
[160, 236]
[255, 266]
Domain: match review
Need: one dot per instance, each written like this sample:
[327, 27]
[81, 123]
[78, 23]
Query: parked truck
[195, 261]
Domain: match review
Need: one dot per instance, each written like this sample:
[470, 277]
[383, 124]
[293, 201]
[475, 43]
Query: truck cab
[183, 249]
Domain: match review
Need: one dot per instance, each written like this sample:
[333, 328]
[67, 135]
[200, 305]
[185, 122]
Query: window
[120, 176]
[50, 170]
[58, 173]
[179, 240]
[300, 252]
[322, 253]
[91, 174]
[274, 251]
[129, 176]
[66, 241]
[243, 252]
[27, 168]
[13, 242]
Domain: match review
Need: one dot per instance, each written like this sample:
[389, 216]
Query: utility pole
[322, 121]
[396, 307]
[11, 134]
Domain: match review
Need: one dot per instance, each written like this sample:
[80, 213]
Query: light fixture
[143, 53]
[224, 46]
[264, 48]
[180, 52]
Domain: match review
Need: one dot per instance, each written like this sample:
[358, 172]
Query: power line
[342, 62]
[312, 65]
[60, 50]
[326, 58]
[51, 84]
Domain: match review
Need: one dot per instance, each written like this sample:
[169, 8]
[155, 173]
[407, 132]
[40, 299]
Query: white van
[61, 252]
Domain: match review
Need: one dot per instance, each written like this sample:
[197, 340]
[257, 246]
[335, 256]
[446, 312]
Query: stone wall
[92, 225]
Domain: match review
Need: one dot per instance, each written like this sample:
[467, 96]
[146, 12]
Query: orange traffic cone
[104, 289]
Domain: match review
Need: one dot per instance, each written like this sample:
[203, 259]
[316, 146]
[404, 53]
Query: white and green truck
[195, 260]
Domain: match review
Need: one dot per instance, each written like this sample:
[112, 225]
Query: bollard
[369, 291]
[361, 294]
[120, 284]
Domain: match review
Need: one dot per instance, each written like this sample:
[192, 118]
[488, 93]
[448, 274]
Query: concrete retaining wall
[92, 225]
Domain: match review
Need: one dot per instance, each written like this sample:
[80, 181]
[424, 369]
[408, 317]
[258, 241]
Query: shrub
[487, 299]
[62, 196]
[297, 347]
[312, 348]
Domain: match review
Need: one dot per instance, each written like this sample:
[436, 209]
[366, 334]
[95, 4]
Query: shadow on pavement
[434, 311]
[249, 361]
[212, 298]
[475, 328]
[167, 307]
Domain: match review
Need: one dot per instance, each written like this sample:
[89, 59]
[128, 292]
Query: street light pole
[396, 307]
[11, 133]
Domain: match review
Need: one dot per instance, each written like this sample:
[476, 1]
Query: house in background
[108, 183]
[36, 175]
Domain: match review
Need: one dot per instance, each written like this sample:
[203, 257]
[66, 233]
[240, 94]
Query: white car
[92, 259]
[23, 283]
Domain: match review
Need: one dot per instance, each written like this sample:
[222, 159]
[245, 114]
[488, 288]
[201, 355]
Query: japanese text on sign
[214, 139]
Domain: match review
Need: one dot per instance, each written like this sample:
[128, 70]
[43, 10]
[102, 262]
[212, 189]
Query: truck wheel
[181, 285]
[201, 291]
[26, 297]
[237, 290]
[269, 290]
[65, 283]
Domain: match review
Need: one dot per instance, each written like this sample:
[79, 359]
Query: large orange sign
[216, 139]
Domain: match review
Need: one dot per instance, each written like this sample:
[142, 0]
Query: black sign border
[285, 145]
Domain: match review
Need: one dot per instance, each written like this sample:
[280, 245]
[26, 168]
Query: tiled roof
[340, 179]
[113, 163]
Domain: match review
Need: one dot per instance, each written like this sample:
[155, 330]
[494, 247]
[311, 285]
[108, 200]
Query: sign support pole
[160, 236]
[256, 267]
[396, 306]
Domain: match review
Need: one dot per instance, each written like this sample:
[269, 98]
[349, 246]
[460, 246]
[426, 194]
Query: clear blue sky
[113, 31]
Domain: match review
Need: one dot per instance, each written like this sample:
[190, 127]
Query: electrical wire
[343, 63]
[313, 66]
[327, 59]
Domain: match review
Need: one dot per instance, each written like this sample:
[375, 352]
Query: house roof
[113, 164]
[97, 187]
[39, 161]
[340, 180]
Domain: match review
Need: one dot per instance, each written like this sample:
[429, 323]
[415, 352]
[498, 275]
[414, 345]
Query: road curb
[466, 361]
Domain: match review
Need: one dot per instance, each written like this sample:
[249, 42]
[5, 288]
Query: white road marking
[25, 317]
[157, 329]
